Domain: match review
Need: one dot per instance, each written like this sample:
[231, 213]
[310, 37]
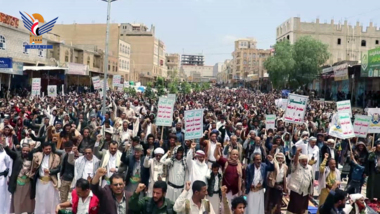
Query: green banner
[371, 63]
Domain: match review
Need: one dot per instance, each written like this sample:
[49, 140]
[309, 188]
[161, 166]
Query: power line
[363, 13]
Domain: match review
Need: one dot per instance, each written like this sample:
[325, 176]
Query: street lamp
[106, 57]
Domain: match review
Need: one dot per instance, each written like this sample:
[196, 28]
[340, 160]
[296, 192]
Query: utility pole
[106, 56]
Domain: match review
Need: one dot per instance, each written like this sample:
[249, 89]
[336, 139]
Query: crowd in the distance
[121, 162]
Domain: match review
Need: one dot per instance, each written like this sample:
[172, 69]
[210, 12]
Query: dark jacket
[328, 206]
[129, 161]
[211, 184]
[107, 204]
[250, 174]
[16, 168]
[325, 149]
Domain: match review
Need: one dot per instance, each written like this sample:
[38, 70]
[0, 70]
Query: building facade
[218, 67]
[345, 42]
[141, 54]
[204, 71]
[248, 60]
[188, 59]
[172, 64]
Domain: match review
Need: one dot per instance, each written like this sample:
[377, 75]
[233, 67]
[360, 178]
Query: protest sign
[341, 126]
[165, 112]
[193, 124]
[361, 125]
[295, 109]
[270, 120]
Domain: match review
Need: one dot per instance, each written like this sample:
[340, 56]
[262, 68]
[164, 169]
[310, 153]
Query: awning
[42, 68]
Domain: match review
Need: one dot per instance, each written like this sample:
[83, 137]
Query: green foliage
[131, 91]
[160, 86]
[148, 90]
[185, 88]
[196, 87]
[173, 88]
[205, 86]
[296, 65]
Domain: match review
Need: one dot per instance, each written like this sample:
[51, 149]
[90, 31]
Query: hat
[239, 124]
[200, 153]
[312, 139]
[138, 148]
[159, 151]
[280, 155]
[303, 157]
[330, 141]
[305, 133]
[109, 131]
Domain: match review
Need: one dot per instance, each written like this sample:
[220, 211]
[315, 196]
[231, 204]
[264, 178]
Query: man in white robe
[45, 166]
[312, 152]
[177, 172]
[5, 173]
[157, 171]
[198, 169]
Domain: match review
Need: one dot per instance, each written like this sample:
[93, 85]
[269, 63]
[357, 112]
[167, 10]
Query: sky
[209, 27]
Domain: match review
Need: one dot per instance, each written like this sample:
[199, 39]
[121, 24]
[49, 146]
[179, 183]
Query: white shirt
[148, 130]
[212, 150]
[111, 164]
[88, 169]
[216, 184]
[280, 174]
[44, 165]
[257, 178]
[83, 206]
[180, 205]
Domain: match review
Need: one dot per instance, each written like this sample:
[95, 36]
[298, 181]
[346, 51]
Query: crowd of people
[64, 152]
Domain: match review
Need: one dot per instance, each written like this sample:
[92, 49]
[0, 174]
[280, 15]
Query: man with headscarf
[329, 148]
[301, 184]
[312, 152]
[158, 170]
[276, 185]
[198, 169]
[177, 172]
[19, 182]
[5, 172]
[328, 177]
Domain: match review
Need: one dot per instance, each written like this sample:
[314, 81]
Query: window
[377, 42]
[67, 56]
[40, 52]
[288, 37]
[88, 60]
[2, 42]
[364, 43]
[339, 41]
[25, 51]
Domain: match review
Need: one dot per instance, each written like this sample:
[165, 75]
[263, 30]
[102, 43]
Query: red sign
[9, 20]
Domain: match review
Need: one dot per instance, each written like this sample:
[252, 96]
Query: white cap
[159, 151]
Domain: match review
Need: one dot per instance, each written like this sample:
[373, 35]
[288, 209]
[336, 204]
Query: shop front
[77, 77]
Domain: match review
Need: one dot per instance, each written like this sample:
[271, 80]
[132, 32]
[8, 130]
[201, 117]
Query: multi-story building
[218, 67]
[146, 53]
[247, 59]
[204, 71]
[345, 42]
[187, 59]
[173, 63]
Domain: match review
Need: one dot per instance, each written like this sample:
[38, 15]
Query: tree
[205, 86]
[185, 88]
[196, 87]
[148, 91]
[173, 88]
[131, 91]
[160, 86]
[296, 65]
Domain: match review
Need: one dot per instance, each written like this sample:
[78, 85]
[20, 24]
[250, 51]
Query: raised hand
[187, 186]
[140, 188]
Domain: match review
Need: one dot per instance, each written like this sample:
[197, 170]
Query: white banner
[270, 120]
[194, 124]
[165, 112]
[36, 87]
[96, 82]
[361, 125]
[52, 90]
[295, 109]
[116, 80]
[344, 107]
[126, 84]
[374, 126]
[341, 126]
[281, 103]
